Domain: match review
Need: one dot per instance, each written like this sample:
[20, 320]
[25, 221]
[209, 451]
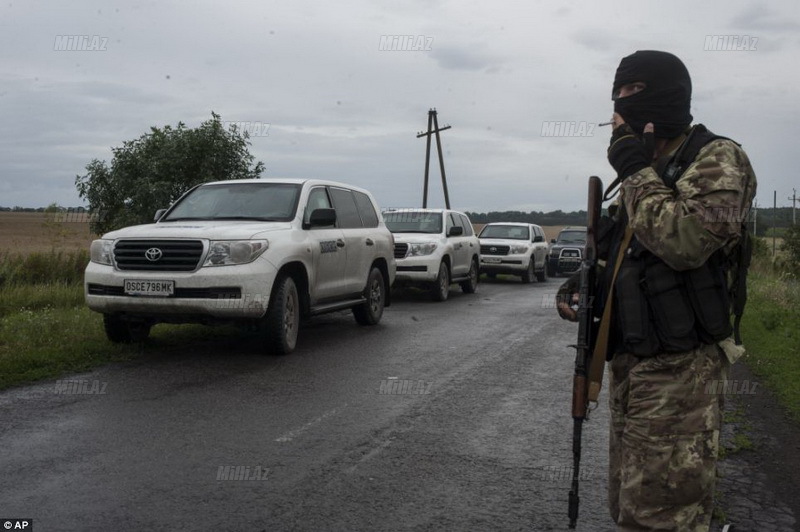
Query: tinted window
[450, 223]
[366, 210]
[317, 199]
[346, 210]
[467, 225]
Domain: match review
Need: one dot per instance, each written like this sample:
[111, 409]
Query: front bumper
[224, 292]
[515, 264]
[418, 269]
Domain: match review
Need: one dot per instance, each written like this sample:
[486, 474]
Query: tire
[440, 288]
[529, 273]
[541, 276]
[282, 321]
[371, 311]
[471, 285]
[551, 271]
[491, 275]
[120, 331]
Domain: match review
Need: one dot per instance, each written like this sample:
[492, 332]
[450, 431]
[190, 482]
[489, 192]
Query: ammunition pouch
[661, 310]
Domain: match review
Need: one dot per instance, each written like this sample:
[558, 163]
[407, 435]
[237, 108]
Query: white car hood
[210, 230]
[413, 238]
[503, 242]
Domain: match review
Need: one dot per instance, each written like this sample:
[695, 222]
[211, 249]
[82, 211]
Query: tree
[154, 170]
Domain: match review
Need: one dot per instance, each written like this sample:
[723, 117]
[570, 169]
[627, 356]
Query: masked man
[673, 255]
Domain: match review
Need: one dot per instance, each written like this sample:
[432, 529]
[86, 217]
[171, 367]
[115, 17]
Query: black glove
[627, 153]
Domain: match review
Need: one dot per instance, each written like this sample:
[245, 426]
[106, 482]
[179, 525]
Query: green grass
[46, 331]
[771, 335]
[53, 267]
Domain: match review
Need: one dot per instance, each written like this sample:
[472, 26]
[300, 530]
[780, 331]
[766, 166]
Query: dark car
[566, 251]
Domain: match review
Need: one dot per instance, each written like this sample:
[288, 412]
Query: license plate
[492, 260]
[136, 287]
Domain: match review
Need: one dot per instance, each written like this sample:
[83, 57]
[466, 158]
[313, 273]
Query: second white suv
[434, 248]
[514, 248]
[260, 252]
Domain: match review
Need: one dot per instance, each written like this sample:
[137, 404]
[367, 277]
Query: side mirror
[538, 238]
[552, 240]
[456, 230]
[159, 214]
[322, 217]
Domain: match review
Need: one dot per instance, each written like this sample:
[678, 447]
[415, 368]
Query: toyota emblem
[492, 249]
[152, 254]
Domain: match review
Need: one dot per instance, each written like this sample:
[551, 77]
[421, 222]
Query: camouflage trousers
[664, 441]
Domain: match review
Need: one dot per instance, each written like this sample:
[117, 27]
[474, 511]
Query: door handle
[340, 243]
[370, 242]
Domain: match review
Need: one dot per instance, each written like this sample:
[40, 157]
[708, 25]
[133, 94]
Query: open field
[29, 232]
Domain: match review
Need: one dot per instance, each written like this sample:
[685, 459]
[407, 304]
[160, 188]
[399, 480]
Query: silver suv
[261, 252]
[434, 248]
[515, 248]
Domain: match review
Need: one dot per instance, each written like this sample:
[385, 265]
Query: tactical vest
[658, 309]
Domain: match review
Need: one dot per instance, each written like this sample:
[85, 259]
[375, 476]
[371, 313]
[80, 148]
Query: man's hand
[567, 298]
[627, 153]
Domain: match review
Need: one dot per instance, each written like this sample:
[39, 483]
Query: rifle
[583, 355]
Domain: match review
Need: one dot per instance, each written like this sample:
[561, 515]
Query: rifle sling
[598, 363]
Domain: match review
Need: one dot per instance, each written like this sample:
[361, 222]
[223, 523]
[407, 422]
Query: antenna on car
[433, 128]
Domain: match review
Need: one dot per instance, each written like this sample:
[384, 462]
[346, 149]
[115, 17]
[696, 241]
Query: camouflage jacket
[684, 227]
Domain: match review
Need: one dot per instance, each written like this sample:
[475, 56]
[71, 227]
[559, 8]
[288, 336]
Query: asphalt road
[446, 416]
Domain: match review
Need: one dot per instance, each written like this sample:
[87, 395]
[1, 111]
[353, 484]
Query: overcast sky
[325, 101]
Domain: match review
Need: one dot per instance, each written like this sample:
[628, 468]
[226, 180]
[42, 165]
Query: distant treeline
[533, 217]
[765, 218]
[51, 208]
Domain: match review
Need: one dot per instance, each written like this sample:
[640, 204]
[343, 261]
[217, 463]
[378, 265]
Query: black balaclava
[665, 101]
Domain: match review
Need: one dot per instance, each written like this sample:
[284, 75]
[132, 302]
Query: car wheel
[282, 321]
[471, 285]
[551, 271]
[371, 311]
[441, 286]
[528, 274]
[121, 331]
[491, 275]
[541, 275]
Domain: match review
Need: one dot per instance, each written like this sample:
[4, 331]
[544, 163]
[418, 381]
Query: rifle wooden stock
[585, 344]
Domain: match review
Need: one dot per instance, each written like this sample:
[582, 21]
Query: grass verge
[771, 335]
[46, 331]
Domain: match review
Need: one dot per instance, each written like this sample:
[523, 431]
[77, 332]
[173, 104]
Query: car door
[539, 245]
[356, 237]
[471, 243]
[459, 243]
[328, 250]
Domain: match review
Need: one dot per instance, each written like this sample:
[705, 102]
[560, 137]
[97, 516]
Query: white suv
[434, 248]
[515, 248]
[261, 252]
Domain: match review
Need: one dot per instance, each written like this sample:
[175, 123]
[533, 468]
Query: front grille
[400, 250]
[494, 250]
[175, 255]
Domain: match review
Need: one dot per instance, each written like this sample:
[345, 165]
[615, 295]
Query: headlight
[519, 250]
[102, 252]
[422, 248]
[227, 252]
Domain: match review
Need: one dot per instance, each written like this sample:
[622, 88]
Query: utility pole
[434, 129]
[774, 217]
[794, 201]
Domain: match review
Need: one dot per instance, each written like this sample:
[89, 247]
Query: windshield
[513, 232]
[238, 201]
[572, 237]
[413, 222]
